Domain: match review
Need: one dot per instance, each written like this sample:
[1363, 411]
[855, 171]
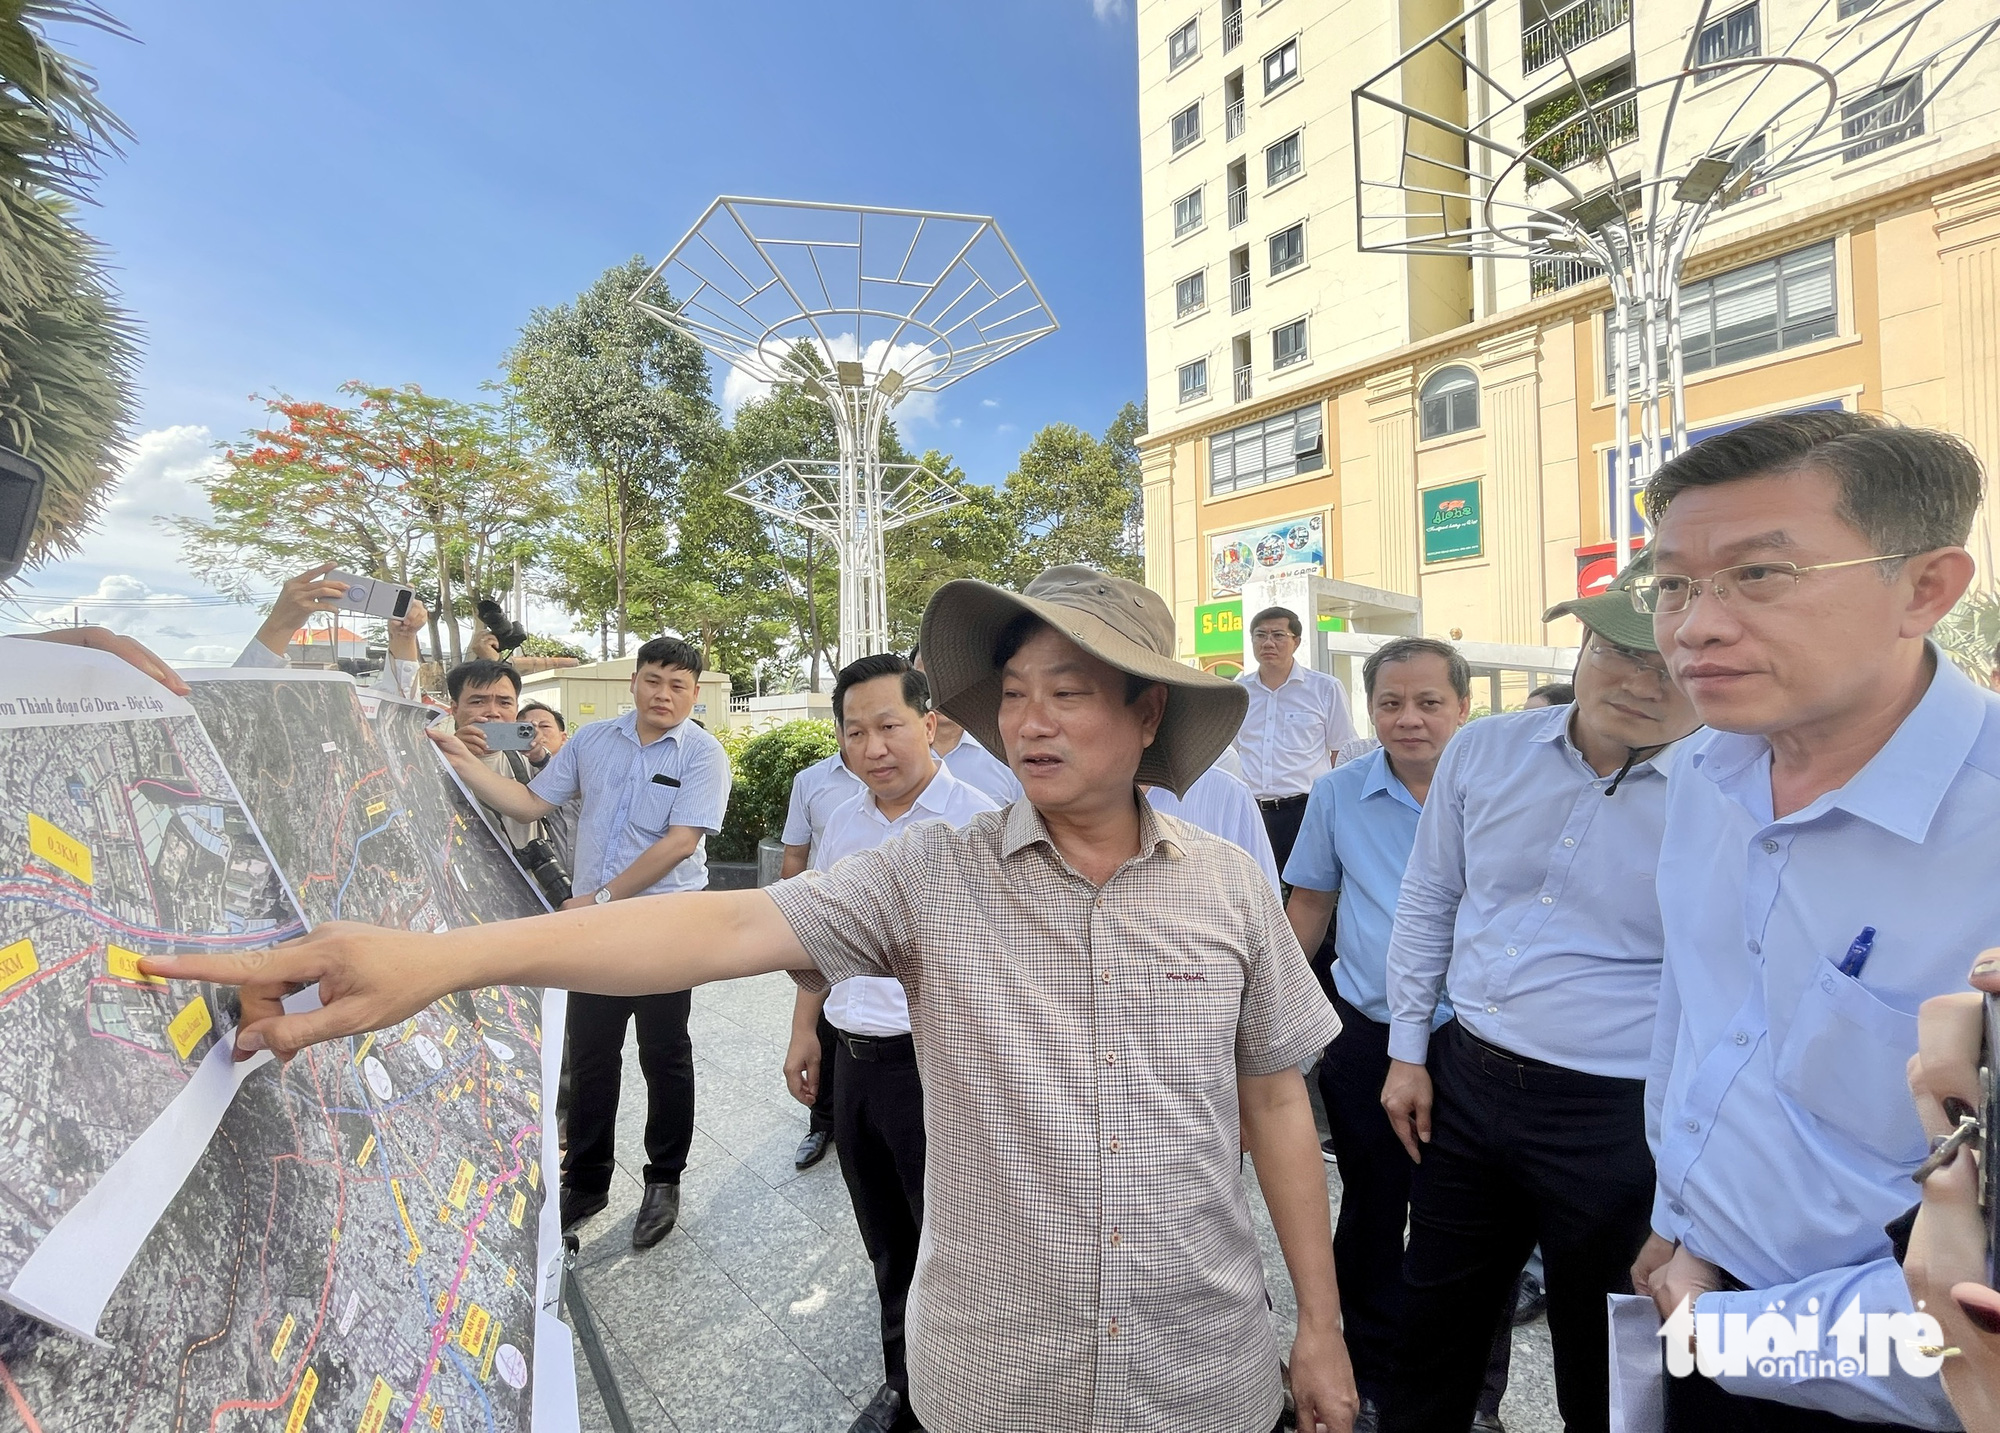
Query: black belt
[1281, 803]
[1525, 1072]
[877, 1047]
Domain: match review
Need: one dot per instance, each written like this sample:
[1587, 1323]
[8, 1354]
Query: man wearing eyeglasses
[1829, 864]
[1528, 903]
[1298, 718]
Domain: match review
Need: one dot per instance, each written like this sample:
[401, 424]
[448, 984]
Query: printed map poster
[1294, 545]
[121, 836]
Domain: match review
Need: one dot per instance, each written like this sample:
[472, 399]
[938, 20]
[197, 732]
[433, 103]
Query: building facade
[1441, 428]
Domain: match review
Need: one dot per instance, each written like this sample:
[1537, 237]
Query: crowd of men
[1625, 981]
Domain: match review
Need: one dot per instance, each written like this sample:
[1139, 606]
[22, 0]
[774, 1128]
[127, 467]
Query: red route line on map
[45, 973]
[20, 1403]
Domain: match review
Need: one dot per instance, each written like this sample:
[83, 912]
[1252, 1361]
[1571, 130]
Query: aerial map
[120, 836]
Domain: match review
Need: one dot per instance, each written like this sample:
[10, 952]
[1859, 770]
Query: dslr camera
[540, 858]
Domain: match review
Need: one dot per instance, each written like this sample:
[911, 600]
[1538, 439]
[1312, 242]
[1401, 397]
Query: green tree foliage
[974, 539]
[67, 350]
[622, 402]
[1074, 498]
[1970, 633]
[763, 768]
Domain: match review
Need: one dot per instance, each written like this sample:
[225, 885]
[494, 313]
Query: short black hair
[670, 652]
[527, 707]
[1907, 490]
[482, 673]
[916, 688]
[1402, 649]
[1014, 636]
[1292, 622]
[1556, 694]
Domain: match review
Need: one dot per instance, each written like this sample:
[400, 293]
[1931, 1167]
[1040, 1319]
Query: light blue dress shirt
[1529, 899]
[1359, 827]
[625, 810]
[1777, 1106]
[979, 768]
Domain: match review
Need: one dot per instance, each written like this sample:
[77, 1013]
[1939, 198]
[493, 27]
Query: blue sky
[375, 191]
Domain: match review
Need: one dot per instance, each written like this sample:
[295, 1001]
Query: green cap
[1611, 614]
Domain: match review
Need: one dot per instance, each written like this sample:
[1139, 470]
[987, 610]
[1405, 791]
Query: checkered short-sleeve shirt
[1088, 1263]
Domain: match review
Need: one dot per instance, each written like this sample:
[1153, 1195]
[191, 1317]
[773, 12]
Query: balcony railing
[1548, 276]
[1569, 29]
[1243, 384]
[1232, 30]
[1611, 123]
[1232, 119]
[1239, 292]
[1239, 205]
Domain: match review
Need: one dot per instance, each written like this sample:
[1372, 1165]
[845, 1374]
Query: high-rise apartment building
[1439, 429]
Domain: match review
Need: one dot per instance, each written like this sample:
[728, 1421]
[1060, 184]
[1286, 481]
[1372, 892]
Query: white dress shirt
[817, 792]
[1777, 1107]
[1222, 806]
[1530, 899]
[976, 766]
[1288, 737]
[875, 1004]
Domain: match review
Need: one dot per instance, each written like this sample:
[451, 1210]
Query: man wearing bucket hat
[1106, 1003]
[1529, 903]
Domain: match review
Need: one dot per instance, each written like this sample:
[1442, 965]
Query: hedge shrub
[764, 766]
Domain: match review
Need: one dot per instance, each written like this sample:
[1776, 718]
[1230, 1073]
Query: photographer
[309, 593]
[484, 690]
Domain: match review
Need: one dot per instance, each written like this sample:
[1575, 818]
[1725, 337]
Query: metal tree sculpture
[861, 308]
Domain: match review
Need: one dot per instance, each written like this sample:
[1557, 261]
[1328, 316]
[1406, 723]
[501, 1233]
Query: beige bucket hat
[1116, 621]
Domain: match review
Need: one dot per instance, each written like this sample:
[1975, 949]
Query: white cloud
[1107, 9]
[989, 403]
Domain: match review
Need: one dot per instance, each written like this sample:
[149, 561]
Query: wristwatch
[603, 895]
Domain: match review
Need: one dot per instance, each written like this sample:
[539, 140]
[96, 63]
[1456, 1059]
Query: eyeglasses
[1266, 634]
[1757, 583]
[1623, 660]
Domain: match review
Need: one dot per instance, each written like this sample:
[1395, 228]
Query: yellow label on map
[472, 1333]
[416, 1244]
[437, 1415]
[376, 808]
[187, 1028]
[534, 1102]
[124, 964]
[534, 1176]
[17, 963]
[461, 1186]
[361, 1050]
[520, 1208]
[510, 1278]
[451, 1037]
[367, 1148]
[492, 1344]
[59, 848]
[375, 1412]
[284, 1337]
[302, 1405]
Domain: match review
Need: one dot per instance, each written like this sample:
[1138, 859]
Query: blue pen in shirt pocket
[1857, 953]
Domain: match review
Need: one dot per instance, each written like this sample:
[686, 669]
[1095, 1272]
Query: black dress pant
[1521, 1152]
[596, 1029]
[878, 1132]
[1282, 819]
[1701, 1405]
[820, 1121]
[1374, 1208]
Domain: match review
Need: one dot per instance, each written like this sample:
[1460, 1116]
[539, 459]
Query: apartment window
[1184, 44]
[1232, 105]
[1883, 117]
[1279, 447]
[1281, 66]
[1288, 249]
[1187, 126]
[1232, 24]
[1239, 358]
[1191, 293]
[1239, 279]
[1730, 37]
[1747, 154]
[1187, 213]
[1760, 308]
[1850, 8]
[1194, 380]
[1449, 402]
[1236, 179]
[1281, 160]
[1288, 344]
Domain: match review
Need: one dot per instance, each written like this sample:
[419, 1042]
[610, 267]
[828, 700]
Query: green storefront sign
[1452, 521]
[1218, 628]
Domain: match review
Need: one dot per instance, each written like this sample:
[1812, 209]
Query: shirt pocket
[1844, 1060]
[653, 808]
[1301, 733]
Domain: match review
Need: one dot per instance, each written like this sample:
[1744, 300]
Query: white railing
[1239, 205]
[1548, 40]
[1232, 119]
[1232, 30]
[1239, 292]
[1243, 384]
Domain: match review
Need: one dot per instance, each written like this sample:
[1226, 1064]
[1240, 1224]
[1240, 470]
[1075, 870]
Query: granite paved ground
[758, 1312]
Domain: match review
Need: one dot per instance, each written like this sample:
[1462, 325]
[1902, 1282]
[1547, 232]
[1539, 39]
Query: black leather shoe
[657, 1213]
[884, 1414]
[578, 1206]
[813, 1148]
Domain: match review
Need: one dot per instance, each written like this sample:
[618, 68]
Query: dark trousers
[1374, 1207]
[1282, 820]
[596, 1029]
[1521, 1152]
[821, 1119]
[1701, 1405]
[878, 1132]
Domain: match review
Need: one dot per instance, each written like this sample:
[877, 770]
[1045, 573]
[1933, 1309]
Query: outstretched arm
[370, 978]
